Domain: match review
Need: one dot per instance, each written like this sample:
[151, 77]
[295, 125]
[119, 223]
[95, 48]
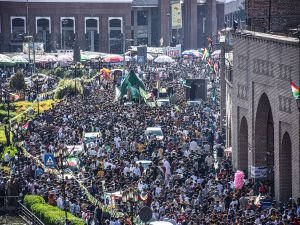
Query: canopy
[19, 59]
[163, 59]
[192, 53]
[65, 58]
[47, 58]
[149, 57]
[6, 61]
[131, 82]
[113, 59]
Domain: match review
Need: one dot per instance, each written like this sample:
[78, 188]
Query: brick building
[272, 15]
[97, 25]
[265, 118]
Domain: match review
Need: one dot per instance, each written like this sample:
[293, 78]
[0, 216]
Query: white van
[154, 131]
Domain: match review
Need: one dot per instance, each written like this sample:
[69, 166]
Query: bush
[59, 72]
[13, 151]
[17, 81]
[5, 170]
[3, 116]
[67, 87]
[30, 200]
[51, 215]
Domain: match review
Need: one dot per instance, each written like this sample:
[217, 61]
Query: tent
[132, 82]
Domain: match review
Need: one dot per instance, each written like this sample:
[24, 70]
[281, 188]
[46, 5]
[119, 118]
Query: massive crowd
[189, 182]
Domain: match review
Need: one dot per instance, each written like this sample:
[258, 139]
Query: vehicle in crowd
[163, 102]
[74, 149]
[194, 103]
[155, 131]
[145, 164]
[90, 139]
[160, 223]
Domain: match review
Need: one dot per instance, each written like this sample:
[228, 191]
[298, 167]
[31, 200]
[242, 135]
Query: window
[18, 27]
[203, 25]
[115, 30]
[92, 33]
[67, 29]
[142, 18]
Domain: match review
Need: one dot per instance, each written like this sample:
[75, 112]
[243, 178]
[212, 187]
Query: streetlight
[100, 61]
[7, 100]
[130, 196]
[169, 28]
[75, 66]
[31, 42]
[64, 22]
[61, 154]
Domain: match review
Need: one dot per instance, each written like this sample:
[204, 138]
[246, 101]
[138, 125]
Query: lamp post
[62, 156]
[130, 196]
[31, 42]
[7, 100]
[298, 103]
[75, 66]
[169, 29]
[100, 60]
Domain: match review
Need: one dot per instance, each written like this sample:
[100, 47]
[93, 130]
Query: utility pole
[124, 47]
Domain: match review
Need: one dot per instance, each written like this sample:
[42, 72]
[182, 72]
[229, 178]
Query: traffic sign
[49, 160]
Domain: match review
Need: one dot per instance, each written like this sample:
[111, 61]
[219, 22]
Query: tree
[17, 81]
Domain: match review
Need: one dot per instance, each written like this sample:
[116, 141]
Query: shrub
[17, 81]
[51, 215]
[67, 87]
[13, 151]
[30, 200]
[5, 170]
[3, 116]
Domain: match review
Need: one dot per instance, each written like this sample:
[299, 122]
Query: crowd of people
[190, 179]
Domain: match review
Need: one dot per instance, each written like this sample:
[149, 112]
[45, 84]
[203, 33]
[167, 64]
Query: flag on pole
[216, 67]
[25, 126]
[295, 90]
[72, 161]
[205, 54]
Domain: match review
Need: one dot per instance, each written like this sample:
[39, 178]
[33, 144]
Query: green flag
[143, 94]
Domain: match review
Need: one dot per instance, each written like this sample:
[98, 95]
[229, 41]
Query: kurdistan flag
[295, 90]
[72, 161]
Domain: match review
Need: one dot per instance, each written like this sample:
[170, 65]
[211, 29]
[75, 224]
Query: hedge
[30, 200]
[13, 152]
[49, 214]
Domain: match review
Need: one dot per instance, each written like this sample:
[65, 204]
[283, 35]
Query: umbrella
[6, 61]
[113, 58]
[216, 53]
[19, 59]
[149, 57]
[104, 70]
[47, 59]
[192, 52]
[65, 58]
[163, 59]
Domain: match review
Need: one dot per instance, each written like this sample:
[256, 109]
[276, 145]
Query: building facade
[265, 117]
[98, 25]
[272, 15]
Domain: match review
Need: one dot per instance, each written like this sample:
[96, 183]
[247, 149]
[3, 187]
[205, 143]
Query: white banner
[259, 171]
[38, 47]
[176, 16]
[173, 51]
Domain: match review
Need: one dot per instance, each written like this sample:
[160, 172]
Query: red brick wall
[57, 10]
[284, 15]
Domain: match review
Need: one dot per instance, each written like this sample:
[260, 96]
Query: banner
[259, 171]
[38, 48]
[176, 16]
[173, 52]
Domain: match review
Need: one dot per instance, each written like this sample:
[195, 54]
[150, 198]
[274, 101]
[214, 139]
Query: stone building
[272, 15]
[98, 25]
[265, 117]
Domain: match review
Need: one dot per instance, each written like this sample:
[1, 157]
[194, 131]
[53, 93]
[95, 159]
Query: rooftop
[268, 36]
[73, 1]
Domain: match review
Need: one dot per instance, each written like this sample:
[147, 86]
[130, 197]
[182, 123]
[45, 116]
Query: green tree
[17, 81]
